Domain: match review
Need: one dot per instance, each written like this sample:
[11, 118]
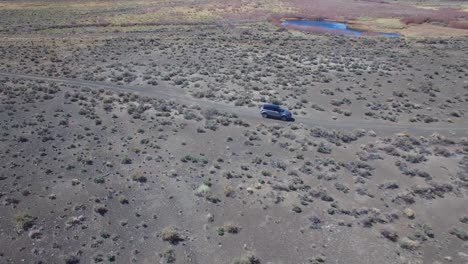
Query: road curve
[250, 113]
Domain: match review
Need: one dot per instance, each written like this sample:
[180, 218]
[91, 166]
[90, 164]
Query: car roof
[271, 105]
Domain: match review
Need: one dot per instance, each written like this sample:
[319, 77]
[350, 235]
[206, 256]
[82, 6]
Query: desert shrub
[228, 191]
[406, 143]
[296, 209]
[22, 139]
[441, 151]
[360, 168]
[436, 189]
[389, 186]
[247, 260]
[322, 148]
[460, 233]
[278, 164]
[336, 137]
[390, 150]
[99, 180]
[341, 187]
[242, 101]
[98, 258]
[110, 258]
[202, 190]
[389, 234]
[71, 260]
[425, 232]
[126, 160]
[464, 219]
[315, 222]
[123, 200]
[24, 221]
[404, 198]
[231, 228]
[317, 107]
[194, 159]
[408, 243]
[101, 210]
[276, 101]
[138, 177]
[171, 235]
[405, 170]
[169, 256]
[212, 199]
[418, 158]
[190, 115]
[322, 194]
[210, 113]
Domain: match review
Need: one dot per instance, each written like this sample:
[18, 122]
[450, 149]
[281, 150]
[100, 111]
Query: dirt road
[252, 114]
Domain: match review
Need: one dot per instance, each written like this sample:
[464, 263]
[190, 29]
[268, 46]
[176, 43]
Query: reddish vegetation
[445, 16]
[349, 10]
[341, 9]
[459, 24]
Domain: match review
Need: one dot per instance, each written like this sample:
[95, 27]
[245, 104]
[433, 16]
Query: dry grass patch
[424, 30]
[377, 24]
[182, 14]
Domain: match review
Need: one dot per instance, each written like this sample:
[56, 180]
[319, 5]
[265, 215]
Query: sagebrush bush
[171, 235]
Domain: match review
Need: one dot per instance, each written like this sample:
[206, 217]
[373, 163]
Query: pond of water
[334, 27]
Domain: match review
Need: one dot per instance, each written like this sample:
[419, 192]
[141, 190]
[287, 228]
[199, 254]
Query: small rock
[210, 218]
[463, 255]
[75, 182]
[409, 213]
[35, 234]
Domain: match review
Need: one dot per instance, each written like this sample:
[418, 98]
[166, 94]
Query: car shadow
[292, 119]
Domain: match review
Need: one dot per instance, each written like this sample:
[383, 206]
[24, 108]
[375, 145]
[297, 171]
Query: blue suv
[274, 111]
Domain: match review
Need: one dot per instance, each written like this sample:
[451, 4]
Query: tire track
[250, 113]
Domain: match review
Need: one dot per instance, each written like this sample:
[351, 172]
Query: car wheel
[264, 115]
[284, 118]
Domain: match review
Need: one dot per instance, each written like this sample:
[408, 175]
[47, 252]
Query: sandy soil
[150, 148]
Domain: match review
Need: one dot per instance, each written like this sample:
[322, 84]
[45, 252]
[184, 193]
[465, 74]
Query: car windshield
[273, 108]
